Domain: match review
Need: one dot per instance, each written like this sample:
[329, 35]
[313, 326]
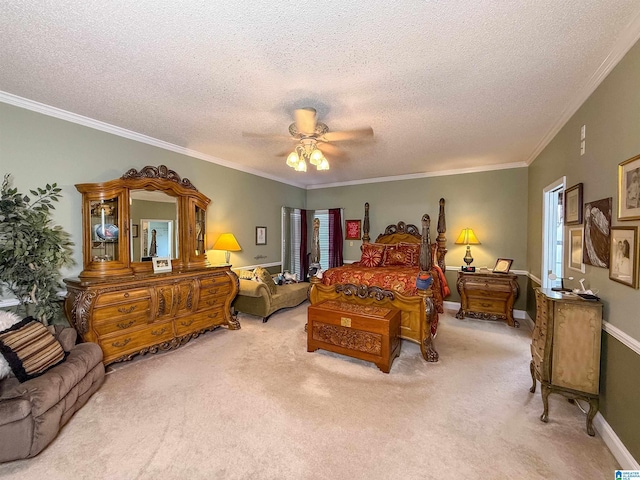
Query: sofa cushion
[265, 277]
[244, 274]
[30, 349]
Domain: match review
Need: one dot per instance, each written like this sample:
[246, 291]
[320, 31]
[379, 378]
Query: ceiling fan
[311, 136]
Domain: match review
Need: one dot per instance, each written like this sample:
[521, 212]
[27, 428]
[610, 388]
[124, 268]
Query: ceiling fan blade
[305, 120]
[347, 135]
[270, 136]
[331, 150]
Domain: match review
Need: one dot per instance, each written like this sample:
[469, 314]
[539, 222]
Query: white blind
[323, 216]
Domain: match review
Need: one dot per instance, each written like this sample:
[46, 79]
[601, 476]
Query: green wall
[612, 136]
[37, 149]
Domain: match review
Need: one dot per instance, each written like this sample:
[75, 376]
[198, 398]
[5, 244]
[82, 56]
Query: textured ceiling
[446, 86]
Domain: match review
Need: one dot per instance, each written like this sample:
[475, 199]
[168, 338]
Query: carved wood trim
[161, 172]
[349, 338]
[366, 225]
[363, 291]
[82, 303]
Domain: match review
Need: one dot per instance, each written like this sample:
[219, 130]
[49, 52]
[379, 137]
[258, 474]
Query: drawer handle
[127, 309]
[126, 325]
[212, 302]
[213, 291]
[126, 294]
[158, 332]
[485, 304]
[187, 323]
[121, 344]
[213, 315]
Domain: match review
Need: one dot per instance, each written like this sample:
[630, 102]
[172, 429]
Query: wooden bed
[393, 286]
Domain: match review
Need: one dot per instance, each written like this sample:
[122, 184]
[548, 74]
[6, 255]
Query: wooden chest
[366, 332]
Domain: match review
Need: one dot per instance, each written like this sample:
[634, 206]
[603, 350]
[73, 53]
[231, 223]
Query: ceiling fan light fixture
[324, 164]
[302, 166]
[316, 157]
[293, 159]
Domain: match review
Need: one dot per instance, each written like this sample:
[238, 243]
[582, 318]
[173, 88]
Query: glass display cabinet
[118, 300]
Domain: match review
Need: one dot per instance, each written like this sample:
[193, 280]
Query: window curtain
[335, 238]
[304, 257]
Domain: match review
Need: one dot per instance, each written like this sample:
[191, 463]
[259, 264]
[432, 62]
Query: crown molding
[411, 176]
[627, 39]
[38, 107]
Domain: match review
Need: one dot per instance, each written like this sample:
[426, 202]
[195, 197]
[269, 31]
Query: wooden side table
[488, 296]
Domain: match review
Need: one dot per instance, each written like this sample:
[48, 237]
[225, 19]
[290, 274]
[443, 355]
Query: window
[553, 233]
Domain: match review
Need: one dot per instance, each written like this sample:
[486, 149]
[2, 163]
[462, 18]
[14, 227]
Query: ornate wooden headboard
[409, 233]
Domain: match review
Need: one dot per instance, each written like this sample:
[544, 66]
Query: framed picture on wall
[575, 249]
[597, 232]
[352, 229]
[629, 189]
[134, 231]
[573, 205]
[624, 256]
[261, 235]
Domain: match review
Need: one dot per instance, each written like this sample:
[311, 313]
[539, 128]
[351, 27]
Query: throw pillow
[393, 256]
[265, 277]
[7, 319]
[371, 255]
[30, 349]
[412, 251]
[245, 274]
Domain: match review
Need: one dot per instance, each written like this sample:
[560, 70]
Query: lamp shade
[467, 237]
[227, 242]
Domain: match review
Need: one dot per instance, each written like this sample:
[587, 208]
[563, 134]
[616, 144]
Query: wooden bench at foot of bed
[416, 311]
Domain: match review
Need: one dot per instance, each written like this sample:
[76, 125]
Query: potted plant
[32, 250]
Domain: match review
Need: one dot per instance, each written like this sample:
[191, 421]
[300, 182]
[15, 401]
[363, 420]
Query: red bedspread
[399, 279]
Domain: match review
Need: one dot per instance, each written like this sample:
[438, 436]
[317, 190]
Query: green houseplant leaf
[32, 249]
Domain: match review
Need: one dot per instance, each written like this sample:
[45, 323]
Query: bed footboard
[417, 312]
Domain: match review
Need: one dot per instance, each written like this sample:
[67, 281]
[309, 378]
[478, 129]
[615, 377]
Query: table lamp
[467, 237]
[227, 242]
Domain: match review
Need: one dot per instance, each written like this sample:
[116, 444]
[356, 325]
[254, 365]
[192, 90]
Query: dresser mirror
[143, 214]
[156, 216]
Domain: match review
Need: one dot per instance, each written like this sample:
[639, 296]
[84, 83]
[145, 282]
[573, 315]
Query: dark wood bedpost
[425, 245]
[365, 227]
[441, 239]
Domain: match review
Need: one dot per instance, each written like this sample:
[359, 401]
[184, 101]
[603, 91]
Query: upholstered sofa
[255, 298]
[32, 412]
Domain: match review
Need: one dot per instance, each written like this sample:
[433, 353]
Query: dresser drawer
[484, 288]
[122, 311]
[122, 324]
[122, 296]
[215, 282]
[487, 305]
[212, 302]
[197, 322]
[135, 340]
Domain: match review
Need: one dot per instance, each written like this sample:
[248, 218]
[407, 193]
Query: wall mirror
[156, 213]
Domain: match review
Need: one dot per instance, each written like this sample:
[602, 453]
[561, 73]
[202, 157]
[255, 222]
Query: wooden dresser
[147, 313]
[488, 296]
[565, 349]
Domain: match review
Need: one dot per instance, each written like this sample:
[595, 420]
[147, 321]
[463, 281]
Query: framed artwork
[575, 249]
[629, 189]
[503, 265]
[352, 229]
[573, 205]
[624, 256]
[161, 264]
[597, 225]
[134, 231]
[261, 235]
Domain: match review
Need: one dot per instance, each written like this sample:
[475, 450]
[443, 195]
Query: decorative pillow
[245, 274]
[265, 277]
[394, 256]
[412, 251]
[30, 349]
[7, 319]
[372, 255]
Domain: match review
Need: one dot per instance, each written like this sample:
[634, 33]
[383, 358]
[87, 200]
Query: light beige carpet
[253, 404]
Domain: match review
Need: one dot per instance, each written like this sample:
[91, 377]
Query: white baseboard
[615, 445]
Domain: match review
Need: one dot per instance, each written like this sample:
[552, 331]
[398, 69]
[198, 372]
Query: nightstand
[488, 296]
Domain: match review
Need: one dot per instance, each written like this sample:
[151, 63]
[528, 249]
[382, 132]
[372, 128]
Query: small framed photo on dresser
[503, 265]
